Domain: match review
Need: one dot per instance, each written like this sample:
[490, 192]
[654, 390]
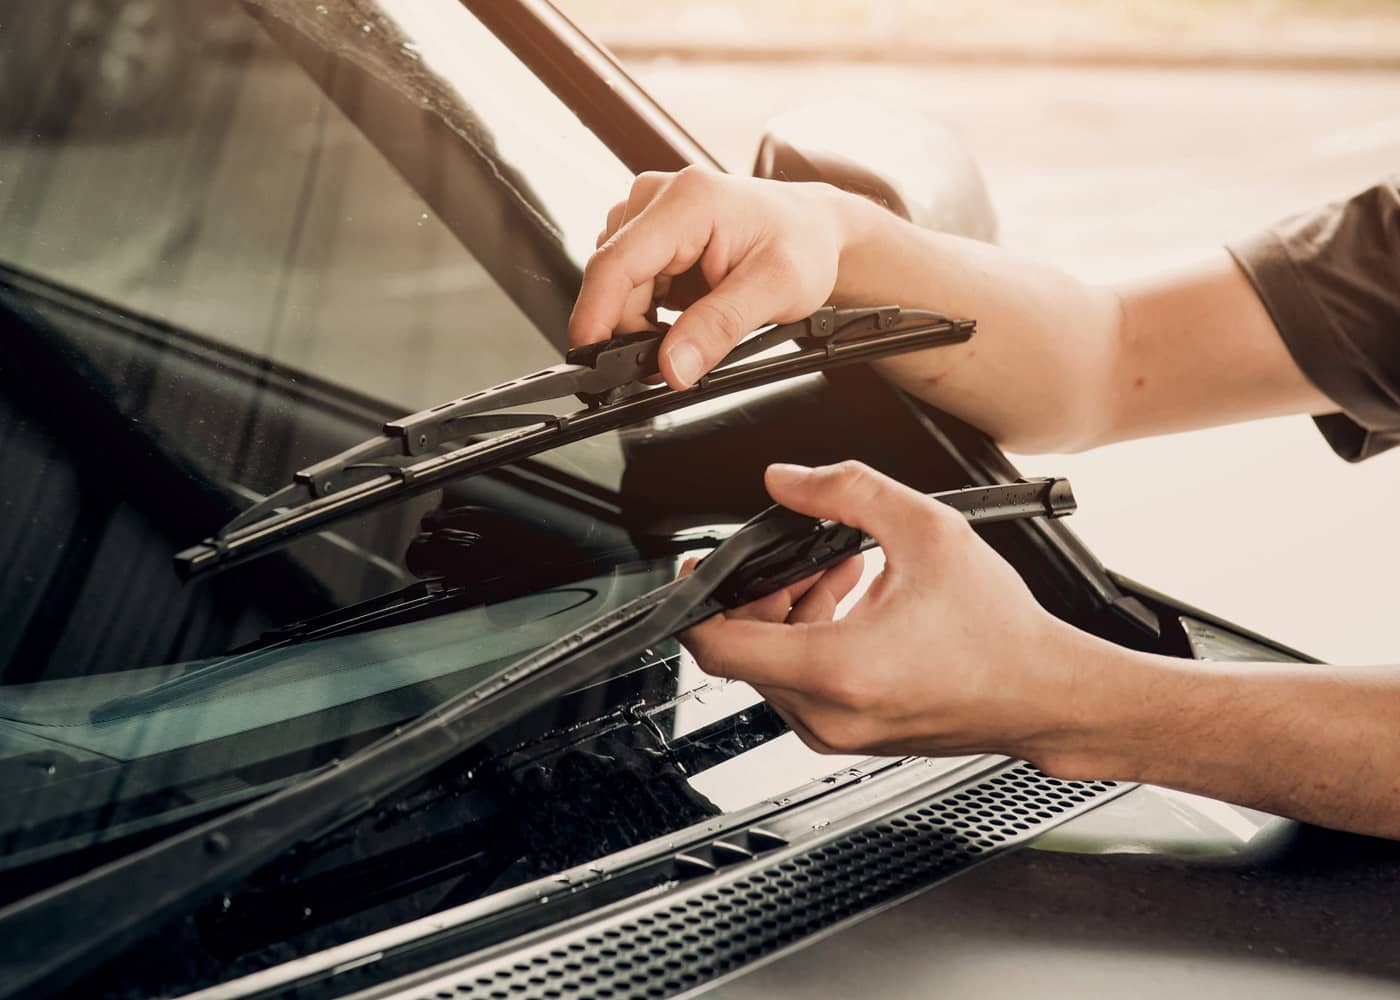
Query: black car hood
[1283, 911]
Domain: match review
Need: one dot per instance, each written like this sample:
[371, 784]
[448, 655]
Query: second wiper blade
[52, 938]
[407, 458]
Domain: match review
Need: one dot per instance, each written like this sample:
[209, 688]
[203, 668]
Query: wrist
[1114, 713]
[859, 224]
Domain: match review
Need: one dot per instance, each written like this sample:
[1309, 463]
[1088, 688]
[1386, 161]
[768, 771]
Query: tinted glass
[235, 239]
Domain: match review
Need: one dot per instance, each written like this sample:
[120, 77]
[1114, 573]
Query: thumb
[714, 323]
[902, 520]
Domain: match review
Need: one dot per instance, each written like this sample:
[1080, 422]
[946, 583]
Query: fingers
[819, 603]
[668, 225]
[746, 298]
[902, 520]
[789, 709]
[644, 189]
[760, 652]
[807, 601]
[775, 607]
[614, 223]
[666, 237]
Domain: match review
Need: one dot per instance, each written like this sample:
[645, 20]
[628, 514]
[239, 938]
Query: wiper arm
[50, 940]
[608, 377]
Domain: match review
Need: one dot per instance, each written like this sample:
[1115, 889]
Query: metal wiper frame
[608, 377]
[51, 939]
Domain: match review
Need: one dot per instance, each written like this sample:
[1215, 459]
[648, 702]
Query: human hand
[947, 653]
[766, 251]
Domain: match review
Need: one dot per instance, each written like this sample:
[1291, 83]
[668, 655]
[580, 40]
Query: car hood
[1215, 902]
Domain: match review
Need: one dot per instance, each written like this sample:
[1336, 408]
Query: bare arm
[1061, 365]
[1310, 742]
[948, 653]
[1056, 365]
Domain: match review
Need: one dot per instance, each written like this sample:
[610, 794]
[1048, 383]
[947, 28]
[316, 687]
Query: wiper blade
[50, 940]
[608, 377]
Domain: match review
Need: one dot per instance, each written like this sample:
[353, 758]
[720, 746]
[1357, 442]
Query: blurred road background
[1118, 140]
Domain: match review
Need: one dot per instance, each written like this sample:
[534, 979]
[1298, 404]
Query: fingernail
[685, 363]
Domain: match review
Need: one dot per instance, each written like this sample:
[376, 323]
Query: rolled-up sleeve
[1330, 280]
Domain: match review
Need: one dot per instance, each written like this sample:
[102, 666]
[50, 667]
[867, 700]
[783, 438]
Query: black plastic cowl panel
[752, 910]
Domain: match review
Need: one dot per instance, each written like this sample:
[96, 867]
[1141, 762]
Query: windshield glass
[235, 238]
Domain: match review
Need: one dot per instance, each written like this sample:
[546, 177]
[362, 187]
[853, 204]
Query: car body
[363, 209]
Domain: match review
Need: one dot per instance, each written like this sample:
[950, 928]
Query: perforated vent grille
[725, 923]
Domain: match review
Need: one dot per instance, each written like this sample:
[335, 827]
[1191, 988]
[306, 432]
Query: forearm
[1059, 365]
[1032, 376]
[1315, 743]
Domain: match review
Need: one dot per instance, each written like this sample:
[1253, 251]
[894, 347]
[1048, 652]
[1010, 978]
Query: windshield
[235, 238]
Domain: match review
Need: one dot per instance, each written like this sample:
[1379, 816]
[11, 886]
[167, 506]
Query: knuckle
[603, 264]
[856, 478]
[724, 318]
[693, 177]
[645, 189]
[614, 218]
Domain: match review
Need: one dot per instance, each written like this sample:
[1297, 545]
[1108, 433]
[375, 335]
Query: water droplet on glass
[367, 28]
[321, 9]
[306, 911]
[226, 904]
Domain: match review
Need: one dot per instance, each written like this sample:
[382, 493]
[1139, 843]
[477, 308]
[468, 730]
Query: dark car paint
[1313, 917]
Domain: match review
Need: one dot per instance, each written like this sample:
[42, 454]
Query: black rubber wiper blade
[608, 377]
[50, 940]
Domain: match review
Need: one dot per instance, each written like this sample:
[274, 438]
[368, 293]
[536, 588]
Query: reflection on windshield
[214, 272]
[285, 704]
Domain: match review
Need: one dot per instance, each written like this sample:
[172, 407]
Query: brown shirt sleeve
[1330, 280]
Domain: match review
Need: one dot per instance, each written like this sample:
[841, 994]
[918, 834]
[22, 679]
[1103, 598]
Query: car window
[244, 204]
[238, 251]
[224, 255]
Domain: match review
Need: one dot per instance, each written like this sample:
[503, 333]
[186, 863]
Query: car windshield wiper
[608, 377]
[49, 940]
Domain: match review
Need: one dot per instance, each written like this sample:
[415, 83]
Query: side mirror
[895, 157]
